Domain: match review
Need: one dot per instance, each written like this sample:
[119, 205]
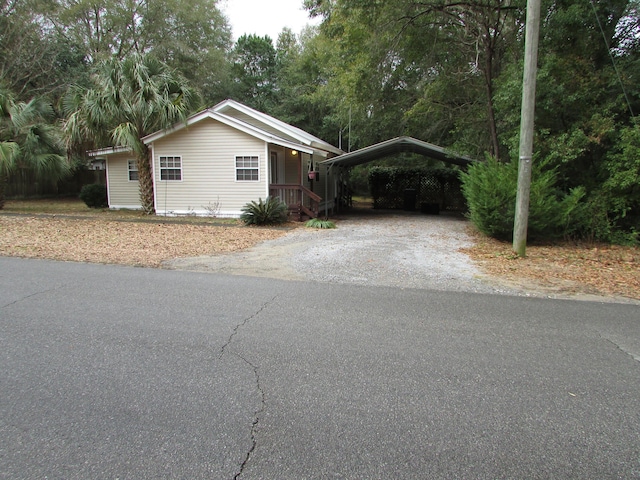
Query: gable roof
[256, 124]
[229, 107]
[396, 145]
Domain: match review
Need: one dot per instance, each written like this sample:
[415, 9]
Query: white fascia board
[260, 134]
[290, 130]
[293, 146]
[107, 151]
[327, 147]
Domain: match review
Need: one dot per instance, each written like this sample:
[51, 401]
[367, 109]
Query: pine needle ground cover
[563, 267]
[68, 230]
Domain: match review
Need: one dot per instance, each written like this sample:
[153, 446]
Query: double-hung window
[132, 167]
[247, 169]
[170, 168]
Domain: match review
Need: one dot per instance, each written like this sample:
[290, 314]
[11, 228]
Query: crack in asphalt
[254, 368]
[256, 417]
[242, 324]
[21, 299]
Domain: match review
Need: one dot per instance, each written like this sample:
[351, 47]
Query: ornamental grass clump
[318, 223]
[271, 211]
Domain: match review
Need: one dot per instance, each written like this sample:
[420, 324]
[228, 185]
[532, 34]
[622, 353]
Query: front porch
[289, 181]
[301, 201]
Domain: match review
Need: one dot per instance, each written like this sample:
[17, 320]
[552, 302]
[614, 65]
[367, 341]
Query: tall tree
[254, 71]
[128, 100]
[192, 36]
[421, 68]
[34, 61]
[120, 27]
[29, 140]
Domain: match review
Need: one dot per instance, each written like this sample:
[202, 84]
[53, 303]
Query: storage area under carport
[429, 192]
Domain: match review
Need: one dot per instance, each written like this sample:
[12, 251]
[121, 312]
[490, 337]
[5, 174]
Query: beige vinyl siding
[208, 150]
[122, 192]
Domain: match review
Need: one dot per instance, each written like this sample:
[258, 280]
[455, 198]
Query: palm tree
[29, 140]
[130, 98]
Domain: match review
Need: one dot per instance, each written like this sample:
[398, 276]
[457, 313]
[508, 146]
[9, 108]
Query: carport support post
[526, 127]
[326, 192]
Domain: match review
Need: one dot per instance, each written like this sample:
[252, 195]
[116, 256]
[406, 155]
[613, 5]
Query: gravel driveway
[384, 249]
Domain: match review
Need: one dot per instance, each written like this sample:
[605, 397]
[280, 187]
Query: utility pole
[526, 127]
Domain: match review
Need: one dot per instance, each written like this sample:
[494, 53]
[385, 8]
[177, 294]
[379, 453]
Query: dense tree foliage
[29, 140]
[451, 73]
[254, 72]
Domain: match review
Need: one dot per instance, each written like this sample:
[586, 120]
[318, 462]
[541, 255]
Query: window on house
[133, 171]
[247, 169]
[170, 168]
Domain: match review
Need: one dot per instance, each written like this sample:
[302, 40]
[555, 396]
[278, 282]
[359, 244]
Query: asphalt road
[114, 372]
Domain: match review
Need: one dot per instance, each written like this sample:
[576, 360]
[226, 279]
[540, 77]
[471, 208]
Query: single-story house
[222, 158]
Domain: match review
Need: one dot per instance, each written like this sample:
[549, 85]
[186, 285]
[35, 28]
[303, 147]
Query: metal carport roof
[396, 145]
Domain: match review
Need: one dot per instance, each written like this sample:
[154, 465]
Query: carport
[384, 149]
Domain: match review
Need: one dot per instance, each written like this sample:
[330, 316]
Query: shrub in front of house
[271, 211]
[94, 195]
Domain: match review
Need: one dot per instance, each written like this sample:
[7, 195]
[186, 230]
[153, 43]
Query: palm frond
[127, 135]
[9, 152]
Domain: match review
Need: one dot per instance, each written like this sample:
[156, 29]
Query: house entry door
[276, 169]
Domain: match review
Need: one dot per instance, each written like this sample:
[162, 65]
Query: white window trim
[160, 168]
[235, 165]
[135, 169]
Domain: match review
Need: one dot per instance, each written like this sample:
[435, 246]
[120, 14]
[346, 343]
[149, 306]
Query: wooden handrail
[310, 194]
[297, 197]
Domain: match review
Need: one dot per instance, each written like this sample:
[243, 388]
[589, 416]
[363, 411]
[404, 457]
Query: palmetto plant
[319, 223]
[268, 212]
[29, 140]
[129, 99]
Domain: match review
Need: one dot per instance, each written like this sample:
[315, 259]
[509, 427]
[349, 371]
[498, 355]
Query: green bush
[490, 189]
[271, 211]
[94, 195]
[318, 223]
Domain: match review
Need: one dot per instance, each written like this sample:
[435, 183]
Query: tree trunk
[488, 79]
[145, 181]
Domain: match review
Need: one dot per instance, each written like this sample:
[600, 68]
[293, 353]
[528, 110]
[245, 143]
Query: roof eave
[107, 151]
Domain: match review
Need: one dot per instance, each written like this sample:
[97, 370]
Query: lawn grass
[54, 206]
